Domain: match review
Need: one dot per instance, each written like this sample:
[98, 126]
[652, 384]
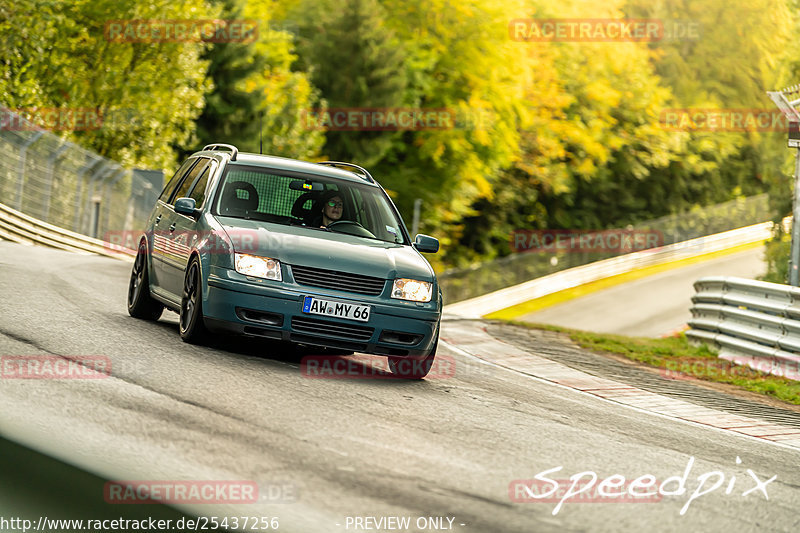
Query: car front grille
[350, 332]
[343, 281]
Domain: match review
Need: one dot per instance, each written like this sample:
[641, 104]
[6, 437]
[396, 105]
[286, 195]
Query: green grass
[680, 360]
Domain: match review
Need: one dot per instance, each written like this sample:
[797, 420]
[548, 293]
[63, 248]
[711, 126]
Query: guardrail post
[81, 173]
[792, 114]
[102, 171]
[121, 173]
[415, 223]
[51, 167]
[794, 258]
[21, 171]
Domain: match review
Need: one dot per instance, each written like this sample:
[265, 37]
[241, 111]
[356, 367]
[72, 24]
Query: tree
[601, 157]
[356, 64]
[459, 59]
[256, 95]
[56, 55]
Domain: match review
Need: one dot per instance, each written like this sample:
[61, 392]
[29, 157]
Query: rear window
[274, 195]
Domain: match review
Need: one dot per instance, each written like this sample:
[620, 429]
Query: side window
[198, 191]
[186, 184]
[173, 182]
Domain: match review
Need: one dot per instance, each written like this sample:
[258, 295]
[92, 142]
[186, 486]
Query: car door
[157, 239]
[182, 229]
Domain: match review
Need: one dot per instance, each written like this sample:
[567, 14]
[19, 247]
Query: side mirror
[426, 243]
[186, 206]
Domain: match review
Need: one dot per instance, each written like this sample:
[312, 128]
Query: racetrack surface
[322, 450]
[651, 306]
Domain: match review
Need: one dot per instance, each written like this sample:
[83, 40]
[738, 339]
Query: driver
[331, 208]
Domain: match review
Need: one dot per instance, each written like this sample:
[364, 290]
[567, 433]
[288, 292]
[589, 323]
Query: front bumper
[235, 304]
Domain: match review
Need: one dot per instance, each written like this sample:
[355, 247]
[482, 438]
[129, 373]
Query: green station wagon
[310, 253]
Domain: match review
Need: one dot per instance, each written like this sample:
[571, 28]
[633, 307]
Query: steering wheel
[364, 232]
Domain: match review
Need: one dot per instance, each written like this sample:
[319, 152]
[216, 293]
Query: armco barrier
[574, 277]
[21, 228]
[64, 184]
[750, 322]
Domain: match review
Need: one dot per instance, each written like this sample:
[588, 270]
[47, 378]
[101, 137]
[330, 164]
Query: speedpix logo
[585, 487]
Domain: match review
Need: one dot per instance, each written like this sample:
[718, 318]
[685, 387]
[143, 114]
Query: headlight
[411, 289]
[258, 267]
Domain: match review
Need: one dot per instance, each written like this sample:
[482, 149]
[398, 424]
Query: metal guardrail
[61, 183]
[19, 227]
[753, 323]
[573, 277]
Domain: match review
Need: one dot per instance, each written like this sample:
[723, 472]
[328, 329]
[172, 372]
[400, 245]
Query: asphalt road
[323, 450]
[650, 306]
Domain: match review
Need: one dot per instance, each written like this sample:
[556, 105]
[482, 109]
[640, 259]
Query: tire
[192, 328]
[409, 368]
[140, 303]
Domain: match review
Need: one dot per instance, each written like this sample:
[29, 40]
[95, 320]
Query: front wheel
[193, 329]
[409, 368]
[140, 303]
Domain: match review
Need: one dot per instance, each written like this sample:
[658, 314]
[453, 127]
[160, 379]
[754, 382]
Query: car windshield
[258, 193]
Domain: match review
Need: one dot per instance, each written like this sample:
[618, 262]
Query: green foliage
[547, 135]
[777, 257]
[678, 359]
[463, 61]
[597, 155]
[231, 112]
[257, 99]
[54, 55]
[356, 62]
[428, 54]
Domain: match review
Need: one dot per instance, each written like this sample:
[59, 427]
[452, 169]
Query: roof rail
[364, 173]
[232, 148]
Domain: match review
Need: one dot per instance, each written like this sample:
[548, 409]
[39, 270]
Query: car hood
[298, 245]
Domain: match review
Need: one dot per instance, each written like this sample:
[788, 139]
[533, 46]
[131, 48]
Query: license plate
[318, 306]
